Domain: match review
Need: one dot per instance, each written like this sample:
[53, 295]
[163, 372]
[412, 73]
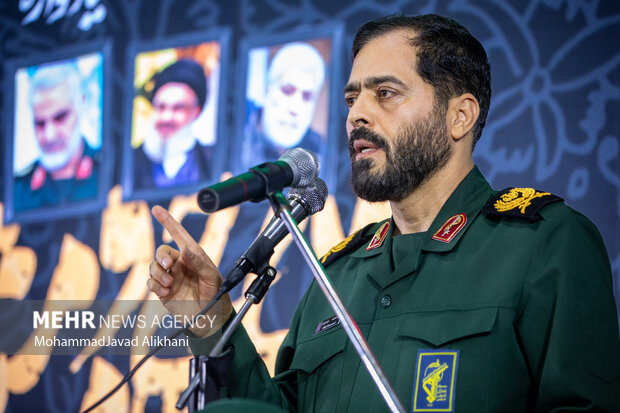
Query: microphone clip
[273, 175]
[278, 202]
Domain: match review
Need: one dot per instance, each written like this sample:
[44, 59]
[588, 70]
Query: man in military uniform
[471, 299]
[67, 169]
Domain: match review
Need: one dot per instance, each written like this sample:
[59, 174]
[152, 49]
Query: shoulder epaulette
[519, 202]
[347, 245]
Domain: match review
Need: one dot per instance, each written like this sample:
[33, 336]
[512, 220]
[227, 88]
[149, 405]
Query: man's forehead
[49, 102]
[174, 92]
[300, 78]
[59, 91]
[389, 55]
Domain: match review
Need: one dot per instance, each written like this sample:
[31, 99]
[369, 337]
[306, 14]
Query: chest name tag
[435, 380]
[325, 325]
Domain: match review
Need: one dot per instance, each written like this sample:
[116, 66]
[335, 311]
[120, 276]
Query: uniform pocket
[442, 327]
[468, 333]
[319, 365]
[312, 353]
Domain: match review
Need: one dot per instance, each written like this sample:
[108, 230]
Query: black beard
[419, 150]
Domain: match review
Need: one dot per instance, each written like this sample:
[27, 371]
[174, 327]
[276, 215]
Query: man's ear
[463, 111]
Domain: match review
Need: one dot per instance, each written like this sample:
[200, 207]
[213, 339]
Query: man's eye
[61, 116]
[385, 93]
[349, 100]
[288, 90]
[307, 95]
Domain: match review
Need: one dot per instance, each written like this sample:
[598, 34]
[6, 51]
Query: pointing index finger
[176, 230]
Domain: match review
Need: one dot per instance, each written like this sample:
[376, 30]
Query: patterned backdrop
[554, 124]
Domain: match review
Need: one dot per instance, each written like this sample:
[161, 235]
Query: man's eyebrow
[375, 81]
[352, 87]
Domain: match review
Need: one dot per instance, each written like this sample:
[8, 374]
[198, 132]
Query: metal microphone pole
[281, 208]
[194, 395]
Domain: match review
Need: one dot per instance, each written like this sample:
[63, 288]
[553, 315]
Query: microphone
[297, 167]
[304, 201]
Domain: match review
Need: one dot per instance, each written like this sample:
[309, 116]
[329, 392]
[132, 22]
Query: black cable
[130, 374]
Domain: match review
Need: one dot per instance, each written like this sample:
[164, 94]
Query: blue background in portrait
[554, 122]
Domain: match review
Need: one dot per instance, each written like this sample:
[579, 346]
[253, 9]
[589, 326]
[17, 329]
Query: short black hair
[449, 58]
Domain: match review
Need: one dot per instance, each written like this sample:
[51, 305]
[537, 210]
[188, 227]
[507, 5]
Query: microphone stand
[197, 394]
[282, 210]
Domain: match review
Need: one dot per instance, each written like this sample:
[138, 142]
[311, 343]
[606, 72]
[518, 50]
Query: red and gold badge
[379, 237]
[452, 226]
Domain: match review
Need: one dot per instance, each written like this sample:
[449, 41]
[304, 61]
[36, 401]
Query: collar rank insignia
[450, 228]
[38, 178]
[435, 380]
[519, 202]
[85, 168]
[379, 237]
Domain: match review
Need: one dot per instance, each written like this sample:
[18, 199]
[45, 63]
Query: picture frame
[58, 151]
[263, 129]
[157, 126]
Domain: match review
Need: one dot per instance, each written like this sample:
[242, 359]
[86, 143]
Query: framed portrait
[291, 84]
[57, 149]
[175, 118]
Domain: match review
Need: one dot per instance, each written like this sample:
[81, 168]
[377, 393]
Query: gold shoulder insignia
[348, 244]
[519, 202]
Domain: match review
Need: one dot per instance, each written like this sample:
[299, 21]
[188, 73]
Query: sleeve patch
[519, 202]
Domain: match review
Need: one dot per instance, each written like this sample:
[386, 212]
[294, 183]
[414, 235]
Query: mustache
[164, 124]
[53, 146]
[367, 135]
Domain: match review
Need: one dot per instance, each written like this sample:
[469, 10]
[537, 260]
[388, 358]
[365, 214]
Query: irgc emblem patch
[435, 380]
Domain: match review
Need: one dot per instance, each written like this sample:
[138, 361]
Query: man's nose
[297, 102]
[361, 113]
[166, 113]
[49, 131]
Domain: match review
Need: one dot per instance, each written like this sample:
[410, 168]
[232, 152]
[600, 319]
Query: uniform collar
[386, 245]
[468, 198]
[380, 269]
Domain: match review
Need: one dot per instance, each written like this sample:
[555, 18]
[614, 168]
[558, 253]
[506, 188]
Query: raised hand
[186, 280]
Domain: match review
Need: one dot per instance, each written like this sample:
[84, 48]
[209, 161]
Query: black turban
[182, 71]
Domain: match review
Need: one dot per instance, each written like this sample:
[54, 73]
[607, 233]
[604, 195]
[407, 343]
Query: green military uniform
[51, 192]
[486, 312]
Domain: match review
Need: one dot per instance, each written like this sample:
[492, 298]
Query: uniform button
[386, 301]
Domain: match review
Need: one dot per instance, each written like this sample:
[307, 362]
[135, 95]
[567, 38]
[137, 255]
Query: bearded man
[171, 154]
[471, 299]
[294, 81]
[67, 168]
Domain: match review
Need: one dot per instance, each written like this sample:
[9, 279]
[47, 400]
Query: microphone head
[312, 196]
[305, 166]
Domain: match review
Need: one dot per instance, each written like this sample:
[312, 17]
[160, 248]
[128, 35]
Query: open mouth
[364, 148]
